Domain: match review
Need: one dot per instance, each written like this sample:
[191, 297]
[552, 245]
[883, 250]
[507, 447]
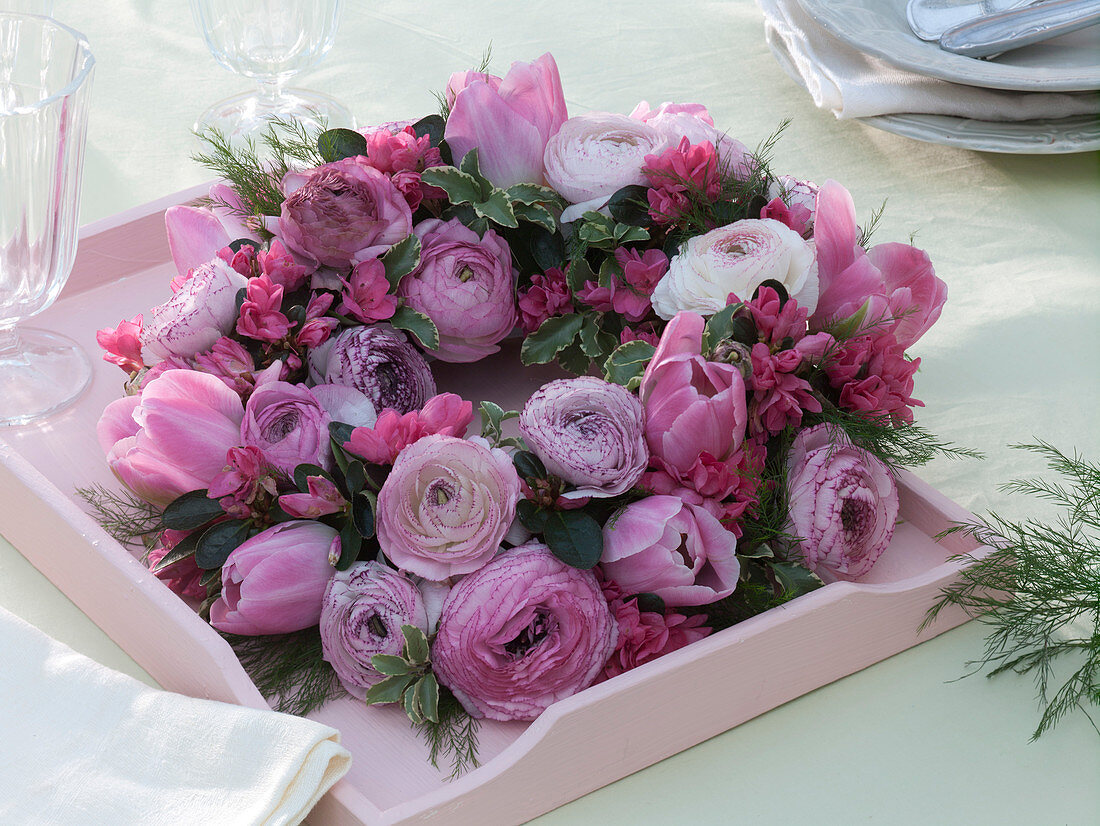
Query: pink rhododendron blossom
[445, 414]
[446, 506]
[779, 396]
[245, 475]
[874, 377]
[508, 121]
[645, 635]
[642, 271]
[548, 296]
[173, 438]
[342, 213]
[123, 344]
[680, 177]
[203, 310]
[362, 612]
[843, 503]
[281, 267]
[183, 576]
[288, 423]
[589, 433]
[366, 296]
[466, 285]
[643, 333]
[692, 121]
[521, 633]
[678, 551]
[693, 406]
[242, 260]
[260, 316]
[274, 582]
[321, 497]
[401, 151]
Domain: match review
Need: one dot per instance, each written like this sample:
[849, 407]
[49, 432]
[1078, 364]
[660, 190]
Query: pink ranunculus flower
[693, 406]
[362, 612]
[122, 345]
[173, 438]
[843, 503]
[664, 546]
[288, 423]
[366, 295]
[446, 506]
[203, 310]
[342, 213]
[379, 362]
[892, 288]
[596, 154]
[466, 285]
[737, 258]
[588, 432]
[509, 121]
[445, 414]
[521, 633]
[274, 582]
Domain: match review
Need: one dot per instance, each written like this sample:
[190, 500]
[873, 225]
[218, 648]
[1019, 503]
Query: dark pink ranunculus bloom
[521, 633]
[341, 213]
[589, 433]
[664, 546]
[446, 506]
[843, 503]
[362, 612]
[274, 582]
[466, 285]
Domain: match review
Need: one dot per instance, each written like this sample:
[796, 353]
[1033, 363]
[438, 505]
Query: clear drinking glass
[269, 41]
[45, 84]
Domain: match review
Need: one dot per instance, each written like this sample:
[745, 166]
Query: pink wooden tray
[577, 745]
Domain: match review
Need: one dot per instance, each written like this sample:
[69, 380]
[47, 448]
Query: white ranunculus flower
[594, 155]
[737, 258]
[203, 310]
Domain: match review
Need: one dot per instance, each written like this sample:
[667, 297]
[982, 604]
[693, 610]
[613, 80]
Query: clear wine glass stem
[10, 351]
[271, 91]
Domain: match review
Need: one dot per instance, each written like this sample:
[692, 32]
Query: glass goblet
[45, 85]
[269, 41]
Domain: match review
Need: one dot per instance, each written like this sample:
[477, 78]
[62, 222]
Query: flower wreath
[740, 395]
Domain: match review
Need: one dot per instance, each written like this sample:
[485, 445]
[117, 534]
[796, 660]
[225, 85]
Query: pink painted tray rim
[930, 508]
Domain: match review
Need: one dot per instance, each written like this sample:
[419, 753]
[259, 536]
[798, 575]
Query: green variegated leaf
[719, 326]
[416, 644]
[427, 693]
[412, 704]
[554, 334]
[596, 343]
[573, 359]
[389, 665]
[536, 214]
[401, 259]
[532, 194]
[406, 318]
[627, 363]
[460, 187]
[497, 208]
[578, 273]
[390, 690]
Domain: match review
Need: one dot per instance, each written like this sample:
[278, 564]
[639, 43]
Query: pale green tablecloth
[1016, 355]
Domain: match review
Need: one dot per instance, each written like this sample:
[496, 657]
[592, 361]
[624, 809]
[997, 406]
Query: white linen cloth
[81, 744]
[851, 84]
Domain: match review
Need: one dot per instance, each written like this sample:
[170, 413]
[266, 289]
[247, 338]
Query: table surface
[1015, 357]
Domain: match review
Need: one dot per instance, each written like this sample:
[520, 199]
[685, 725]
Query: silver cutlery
[1015, 28]
[929, 19]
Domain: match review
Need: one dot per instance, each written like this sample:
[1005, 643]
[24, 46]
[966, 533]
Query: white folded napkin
[854, 85]
[84, 745]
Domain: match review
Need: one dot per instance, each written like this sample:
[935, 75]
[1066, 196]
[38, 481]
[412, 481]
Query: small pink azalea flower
[260, 317]
[282, 267]
[445, 414]
[678, 177]
[241, 260]
[548, 296]
[123, 344]
[366, 297]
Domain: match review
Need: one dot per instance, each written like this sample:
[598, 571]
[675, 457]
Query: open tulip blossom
[729, 371]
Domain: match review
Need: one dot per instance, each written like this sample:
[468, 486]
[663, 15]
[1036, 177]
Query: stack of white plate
[1070, 63]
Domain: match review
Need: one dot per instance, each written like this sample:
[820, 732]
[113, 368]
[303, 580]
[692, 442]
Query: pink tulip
[274, 582]
[195, 234]
[663, 546]
[693, 406]
[509, 124]
[177, 436]
[893, 286]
